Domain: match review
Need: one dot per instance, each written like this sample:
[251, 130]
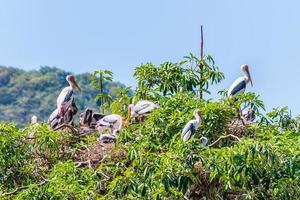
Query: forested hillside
[27, 93]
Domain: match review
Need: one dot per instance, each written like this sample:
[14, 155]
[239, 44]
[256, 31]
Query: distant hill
[27, 93]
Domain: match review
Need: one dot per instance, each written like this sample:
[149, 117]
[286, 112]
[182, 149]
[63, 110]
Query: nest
[239, 127]
[95, 153]
[203, 187]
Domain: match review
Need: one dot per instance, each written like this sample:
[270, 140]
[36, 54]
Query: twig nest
[238, 127]
[198, 167]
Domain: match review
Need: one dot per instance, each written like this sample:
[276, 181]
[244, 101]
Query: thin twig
[23, 187]
[223, 137]
[201, 56]
[101, 173]
[66, 125]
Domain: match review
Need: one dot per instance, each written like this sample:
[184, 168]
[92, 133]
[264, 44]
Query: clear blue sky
[81, 36]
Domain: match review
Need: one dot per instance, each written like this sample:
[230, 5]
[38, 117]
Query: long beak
[249, 76]
[129, 113]
[76, 85]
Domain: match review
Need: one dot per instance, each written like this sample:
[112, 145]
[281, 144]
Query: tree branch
[201, 56]
[223, 137]
[23, 187]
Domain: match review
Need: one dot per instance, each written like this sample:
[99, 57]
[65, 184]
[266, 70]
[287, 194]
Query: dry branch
[23, 187]
[223, 137]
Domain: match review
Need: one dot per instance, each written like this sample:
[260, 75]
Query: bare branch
[223, 137]
[23, 187]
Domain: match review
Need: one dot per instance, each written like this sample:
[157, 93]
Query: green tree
[170, 78]
[97, 81]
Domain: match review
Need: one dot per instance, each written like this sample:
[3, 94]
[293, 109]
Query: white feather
[235, 84]
[187, 130]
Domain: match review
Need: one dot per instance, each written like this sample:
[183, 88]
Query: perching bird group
[66, 108]
[237, 87]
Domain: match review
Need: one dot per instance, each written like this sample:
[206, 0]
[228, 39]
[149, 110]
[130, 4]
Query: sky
[81, 36]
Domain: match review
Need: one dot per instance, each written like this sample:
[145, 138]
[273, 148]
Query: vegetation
[97, 81]
[149, 161]
[24, 94]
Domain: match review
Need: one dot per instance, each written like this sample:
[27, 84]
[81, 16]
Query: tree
[98, 79]
[184, 76]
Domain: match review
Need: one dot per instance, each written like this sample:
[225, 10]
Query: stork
[53, 120]
[191, 127]
[66, 97]
[109, 138]
[33, 119]
[239, 85]
[114, 122]
[204, 140]
[141, 108]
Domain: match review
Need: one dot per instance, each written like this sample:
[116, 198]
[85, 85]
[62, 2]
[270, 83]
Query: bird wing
[188, 130]
[141, 105]
[146, 110]
[111, 118]
[105, 137]
[53, 116]
[65, 96]
[238, 86]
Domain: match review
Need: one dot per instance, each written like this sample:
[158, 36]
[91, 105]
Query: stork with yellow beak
[239, 85]
[66, 97]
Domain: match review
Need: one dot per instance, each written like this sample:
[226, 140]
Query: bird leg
[240, 116]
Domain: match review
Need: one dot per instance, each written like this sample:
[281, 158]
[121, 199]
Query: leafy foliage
[264, 163]
[170, 78]
[97, 81]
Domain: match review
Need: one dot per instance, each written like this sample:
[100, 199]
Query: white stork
[142, 108]
[109, 138]
[114, 122]
[66, 96]
[53, 119]
[191, 127]
[239, 85]
[204, 140]
[33, 119]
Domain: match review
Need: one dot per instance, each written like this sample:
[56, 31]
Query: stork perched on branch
[190, 128]
[239, 85]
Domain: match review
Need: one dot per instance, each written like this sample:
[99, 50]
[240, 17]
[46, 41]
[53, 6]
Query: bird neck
[132, 113]
[198, 118]
[72, 86]
[246, 76]
[115, 133]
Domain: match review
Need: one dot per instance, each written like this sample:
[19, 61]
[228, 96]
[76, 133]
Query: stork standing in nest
[66, 106]
[114, 122]
[141, 109]
[66, 96]
[239, 85]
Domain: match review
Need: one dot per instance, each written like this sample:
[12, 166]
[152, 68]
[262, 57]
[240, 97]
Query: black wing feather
[239, 87]
[68, 96]
[192, 128]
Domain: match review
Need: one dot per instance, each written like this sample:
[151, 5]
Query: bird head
[33, 119]
[131, 112]
[204, 140]
[245, 69]
[72, 82]
[197, 112]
